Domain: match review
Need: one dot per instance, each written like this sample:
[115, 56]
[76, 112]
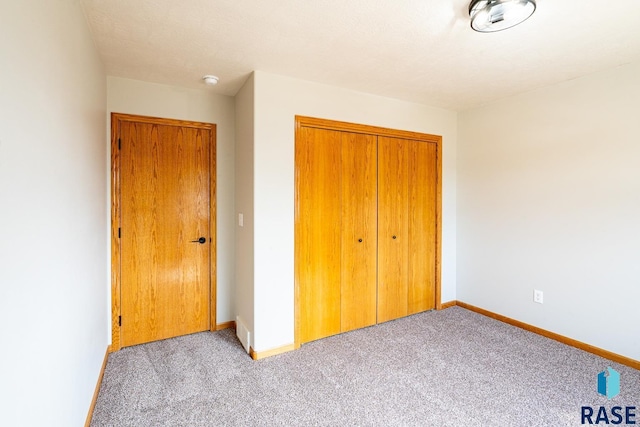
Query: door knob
[394, 237]
[201, 240]
[360, 240]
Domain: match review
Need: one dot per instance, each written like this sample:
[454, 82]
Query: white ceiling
[416, 50]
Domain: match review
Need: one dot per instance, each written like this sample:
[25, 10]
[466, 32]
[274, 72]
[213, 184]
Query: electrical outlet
[538, 296]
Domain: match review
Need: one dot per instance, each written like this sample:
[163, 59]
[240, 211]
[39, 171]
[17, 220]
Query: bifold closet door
[407, 180]
[318, 232]
[336, 220]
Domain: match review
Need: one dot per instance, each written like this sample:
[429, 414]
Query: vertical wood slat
[115, 232]
[213, 229]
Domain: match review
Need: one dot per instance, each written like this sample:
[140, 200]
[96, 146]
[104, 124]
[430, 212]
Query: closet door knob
[394, 237]
[360, 240]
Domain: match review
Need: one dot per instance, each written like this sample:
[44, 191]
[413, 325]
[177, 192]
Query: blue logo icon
[609, 383]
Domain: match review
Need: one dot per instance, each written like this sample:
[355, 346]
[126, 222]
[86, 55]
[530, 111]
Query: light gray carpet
[447, 368]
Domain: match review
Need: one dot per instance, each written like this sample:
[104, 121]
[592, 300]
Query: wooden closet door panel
[422, 226]
[393, 228]
[359, 222]
[317, 228]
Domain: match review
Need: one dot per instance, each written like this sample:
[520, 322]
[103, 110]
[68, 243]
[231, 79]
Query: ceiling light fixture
[488, 16]
[210, 80]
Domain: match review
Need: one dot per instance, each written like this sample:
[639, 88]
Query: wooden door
[407, 241]
[165, 199]
[318, 232]
[422, 183]
[393, 228]
[340, 170]
[336, 216]
[359, 222]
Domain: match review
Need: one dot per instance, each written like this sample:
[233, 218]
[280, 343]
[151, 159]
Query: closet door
[407, 182]
[393, 228]
[366, 226]
[318, 232]
[422, 226]
[359, 217]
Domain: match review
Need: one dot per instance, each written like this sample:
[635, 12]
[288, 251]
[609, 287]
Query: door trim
[116, 119]
[303, 121]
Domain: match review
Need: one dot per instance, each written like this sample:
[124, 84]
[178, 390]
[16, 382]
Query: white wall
[549, 198]
[277, 100]
[244, 205]
[150, 99]
[53, 256]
